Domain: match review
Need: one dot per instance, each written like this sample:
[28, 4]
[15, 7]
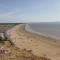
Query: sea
[48, 29]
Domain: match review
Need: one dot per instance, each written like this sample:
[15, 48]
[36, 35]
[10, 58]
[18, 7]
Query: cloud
[41, 19]
[13, 17]
[8, 15]
[17, 15]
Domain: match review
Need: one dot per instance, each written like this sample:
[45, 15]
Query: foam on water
[46, 29]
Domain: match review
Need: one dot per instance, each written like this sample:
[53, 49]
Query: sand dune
[40, 46]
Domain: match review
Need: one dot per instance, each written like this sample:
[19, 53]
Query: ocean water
[46, 29]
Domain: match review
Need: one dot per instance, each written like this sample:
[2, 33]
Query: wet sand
[40, 45]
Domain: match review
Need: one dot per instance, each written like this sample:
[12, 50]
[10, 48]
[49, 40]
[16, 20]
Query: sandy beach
[40, 45]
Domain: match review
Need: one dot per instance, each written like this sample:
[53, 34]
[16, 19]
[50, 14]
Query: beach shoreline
[40, 46]
[29, 29]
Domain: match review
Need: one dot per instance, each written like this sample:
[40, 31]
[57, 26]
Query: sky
[22, 11]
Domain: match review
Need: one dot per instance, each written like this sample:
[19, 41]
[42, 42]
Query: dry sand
[40, 45]
[10, 52]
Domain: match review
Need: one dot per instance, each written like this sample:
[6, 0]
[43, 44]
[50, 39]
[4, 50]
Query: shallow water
[46, 29]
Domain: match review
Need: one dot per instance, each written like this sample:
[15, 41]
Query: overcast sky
[29, 11]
